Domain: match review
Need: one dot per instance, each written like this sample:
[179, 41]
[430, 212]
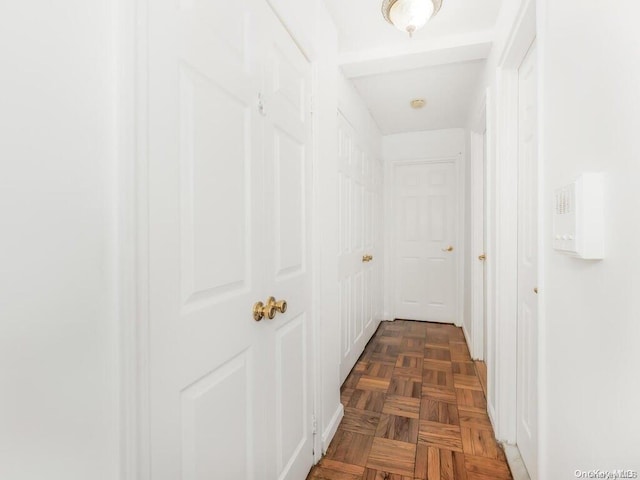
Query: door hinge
[314, 425]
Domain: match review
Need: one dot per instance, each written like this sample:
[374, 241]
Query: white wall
[589, 387]
[57, 295]
[590, 331]
[423, 145]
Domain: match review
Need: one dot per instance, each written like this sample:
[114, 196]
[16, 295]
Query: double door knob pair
[269, 310]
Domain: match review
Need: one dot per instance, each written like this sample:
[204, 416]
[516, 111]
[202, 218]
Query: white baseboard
[332, 428]
[518, 470]
[467, 337]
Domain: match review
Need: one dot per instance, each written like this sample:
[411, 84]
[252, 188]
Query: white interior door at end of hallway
[360, 189]
[218, 380]
[425, 230]
[527, 357]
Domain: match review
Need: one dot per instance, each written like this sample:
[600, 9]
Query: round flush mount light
[418, 103]
[410, 15]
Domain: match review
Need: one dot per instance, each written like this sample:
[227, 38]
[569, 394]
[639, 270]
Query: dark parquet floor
[414, 410]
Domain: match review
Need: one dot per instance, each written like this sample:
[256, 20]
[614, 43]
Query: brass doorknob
[367, 258]
[482, 257]
[280, 305]
[260, 310]
[448, 249]
[535, 290]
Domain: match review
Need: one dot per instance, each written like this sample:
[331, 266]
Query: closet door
[229, 177]
[287, 239]
[359, 260]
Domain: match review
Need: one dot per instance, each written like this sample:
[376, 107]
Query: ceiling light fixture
[410, 15]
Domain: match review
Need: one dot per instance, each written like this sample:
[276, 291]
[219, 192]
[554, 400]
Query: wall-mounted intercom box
[578, 218]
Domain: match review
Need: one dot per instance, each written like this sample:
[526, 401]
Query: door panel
[360, 205]
[425, 212]
[228, 226]
[527, 264]
[288, 140]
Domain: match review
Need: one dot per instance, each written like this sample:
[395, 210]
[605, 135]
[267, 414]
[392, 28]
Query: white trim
[506, 218]
[332, 428]
[390, 240]
[477, 166]
[316, 265]
[134, 457]
[516, 465]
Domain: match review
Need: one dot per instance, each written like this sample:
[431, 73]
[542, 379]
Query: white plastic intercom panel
[578, 217]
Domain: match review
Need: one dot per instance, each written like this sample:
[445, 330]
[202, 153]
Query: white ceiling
[442, 63]
[448, 90]
[361, 25]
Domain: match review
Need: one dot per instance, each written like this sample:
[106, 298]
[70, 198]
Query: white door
[218, 378]
[287, 240]
[360, 205]
[425, 227]
[527, 376]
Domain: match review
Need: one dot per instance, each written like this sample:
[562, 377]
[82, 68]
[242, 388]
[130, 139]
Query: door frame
[131, 237]
[390, 270]
[504, 249]
[478, 152]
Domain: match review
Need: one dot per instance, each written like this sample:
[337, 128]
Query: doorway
[426, 240]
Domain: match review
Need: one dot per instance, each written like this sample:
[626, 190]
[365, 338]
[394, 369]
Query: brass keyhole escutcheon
[482, 257]
[260, 310]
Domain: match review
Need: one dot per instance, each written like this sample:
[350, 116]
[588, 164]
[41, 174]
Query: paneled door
[229, 163]
[359, 260]
[527, 358]
[425, 230]
[287, 236]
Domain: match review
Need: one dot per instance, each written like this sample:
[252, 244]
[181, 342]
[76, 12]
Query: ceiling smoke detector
[410, 15]
[418, 103]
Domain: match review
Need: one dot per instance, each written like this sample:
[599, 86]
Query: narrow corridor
[414, 409]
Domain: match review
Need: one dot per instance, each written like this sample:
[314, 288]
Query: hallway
[414, 409]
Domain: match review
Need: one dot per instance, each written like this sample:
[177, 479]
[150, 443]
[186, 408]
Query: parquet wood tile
[433, 463]
[466, 381]
[367, 400]
[444, 355]
[360, 421]
[392, 456]
[370, 474]
[463, 368]
[398, 428]
[349, 447]
[441, 412]
[345, 395]
[472, 400]
[440, 435]
[441, 378]
[405, 386]
[373, 383]
[415, 409]
[402, 406]
[378, 369]
[479, 442]
[495, 469]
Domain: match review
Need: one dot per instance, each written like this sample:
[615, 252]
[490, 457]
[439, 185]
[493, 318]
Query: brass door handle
[260, 310]
[280, 305]
[448, 249]
[367, 258]
[482, 257]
